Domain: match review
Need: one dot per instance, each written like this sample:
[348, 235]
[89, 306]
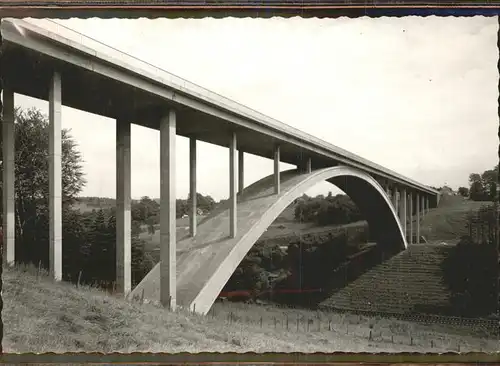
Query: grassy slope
[42, 316]
[448, 220]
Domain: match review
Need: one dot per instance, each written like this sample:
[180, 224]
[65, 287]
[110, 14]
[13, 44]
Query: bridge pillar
[123, 208]
[395, 199]
[403, 200]
[277, 169]
[241, 181]
[422, 207]
[168, 211]
[417, 216]
[8, 198]
[55, 178]
[426, 205]
[309, 166]
[232, 186]
[192, 186]
[410, 217]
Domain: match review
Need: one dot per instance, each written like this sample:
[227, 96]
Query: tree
[483, 186]
[32, 182]
[463, 191]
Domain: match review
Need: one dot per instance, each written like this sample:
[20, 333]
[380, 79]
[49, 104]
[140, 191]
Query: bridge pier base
[277, 169]
[232, 186]
[55, 178]
[123, 208]
[8, 198]
[192, 186]
[168, 255]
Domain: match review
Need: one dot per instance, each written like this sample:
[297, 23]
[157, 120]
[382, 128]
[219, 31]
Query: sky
[416, 95]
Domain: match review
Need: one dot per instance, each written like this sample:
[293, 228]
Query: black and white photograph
[240, 184]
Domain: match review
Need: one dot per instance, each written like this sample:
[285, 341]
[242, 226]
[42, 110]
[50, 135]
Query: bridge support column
[241, 172]
[232, 186]
[309, 166]
[410, 217]
[277, 169]
[395, 199]
[55, 178]
[123, 208]
[422, 208]
[402, 210]
[417, 217]
[426, 205]
[168, 211]
[8, 198]
[192, 186]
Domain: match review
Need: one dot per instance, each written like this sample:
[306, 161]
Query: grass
[448, 221]
[40, 316]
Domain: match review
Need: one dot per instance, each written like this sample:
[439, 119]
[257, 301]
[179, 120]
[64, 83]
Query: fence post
[330, 325]
[142, 296]
[261, 321]
[297, 323]
[286, 321]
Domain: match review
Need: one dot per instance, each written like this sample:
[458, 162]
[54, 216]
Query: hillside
[448, 220]
[41, 316]
[409, 282]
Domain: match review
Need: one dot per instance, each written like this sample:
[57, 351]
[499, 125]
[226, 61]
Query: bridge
[45, 60]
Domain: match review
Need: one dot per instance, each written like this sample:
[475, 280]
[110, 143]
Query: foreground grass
[42, 316]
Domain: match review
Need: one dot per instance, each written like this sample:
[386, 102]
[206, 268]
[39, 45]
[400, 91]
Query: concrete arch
[205, 264]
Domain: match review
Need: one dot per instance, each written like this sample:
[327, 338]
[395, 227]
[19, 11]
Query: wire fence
[397, 329]
[376, 327]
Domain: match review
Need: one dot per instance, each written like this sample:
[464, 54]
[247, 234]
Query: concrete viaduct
[47, 61]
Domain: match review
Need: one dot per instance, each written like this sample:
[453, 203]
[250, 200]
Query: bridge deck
[101, 80]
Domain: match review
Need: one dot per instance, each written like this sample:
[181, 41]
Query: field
[41, 316]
